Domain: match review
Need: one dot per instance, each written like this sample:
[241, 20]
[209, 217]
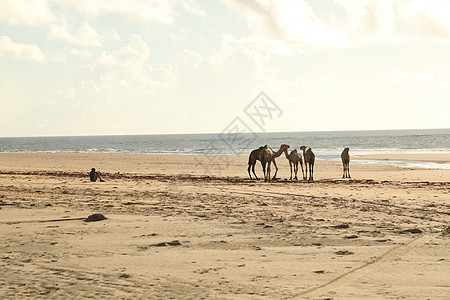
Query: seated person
[93, 175]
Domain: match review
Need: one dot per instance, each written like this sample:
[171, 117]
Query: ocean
[327, 145]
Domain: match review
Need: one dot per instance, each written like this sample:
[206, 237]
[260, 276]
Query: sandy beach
[195, 227]
[435, 157]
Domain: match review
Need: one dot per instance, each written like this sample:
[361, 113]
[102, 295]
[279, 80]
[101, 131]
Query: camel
[268, 157]
[345, 163]
[294, 158]
[309, 158]
[254, 156]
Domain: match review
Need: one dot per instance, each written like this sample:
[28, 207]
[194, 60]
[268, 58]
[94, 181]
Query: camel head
[284, 147]
[346, 149]
[303, 148]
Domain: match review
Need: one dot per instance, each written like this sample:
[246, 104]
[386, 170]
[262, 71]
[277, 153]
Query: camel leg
[303, 174]
[311, 171]
[253, 170]
[343, 171]
[348, 171]
[248, 170]
[295, 170]
[276, 169]
[264, 170]
[267, 171]
[306, 170]
[262, 165]
[290, 165]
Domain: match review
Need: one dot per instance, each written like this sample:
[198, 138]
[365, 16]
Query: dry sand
[193, 227]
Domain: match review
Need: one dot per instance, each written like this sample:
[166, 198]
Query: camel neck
[279, 152]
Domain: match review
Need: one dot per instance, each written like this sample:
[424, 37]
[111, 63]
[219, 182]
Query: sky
[107, 67]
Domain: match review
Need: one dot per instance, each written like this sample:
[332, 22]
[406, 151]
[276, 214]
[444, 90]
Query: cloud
[136, 53]
[126, 73]
[255, 51]
[29, 12]
[140, 11]
[343, 23]
[60, 95]
[403, 77]
[118, 88]
[192, 7]
[190, 58]
[81, 52]
[288, 21]
[221, 60]
[20, 51]
[86, 35]
[368, 21]
[296, 22]
[426, 18]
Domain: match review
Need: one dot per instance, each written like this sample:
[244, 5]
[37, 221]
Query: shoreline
[425, 161]
[214, 165]
[414, 157]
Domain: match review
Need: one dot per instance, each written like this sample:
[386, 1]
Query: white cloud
[140, 11]
[396, 76]
[125, 73]
[136, 53]
[86, 35]
[180, 35]
[295, 23]
[400, 76]
[60, 95]
[252, 50]
[20, 51]
[192, 7]
[29, 12]
[426, 18]
[368, 20]
[81, 52]
[116, 90]
[426, 78]
[273, 46]
[221, 60]
[288, 21]
[190, 58]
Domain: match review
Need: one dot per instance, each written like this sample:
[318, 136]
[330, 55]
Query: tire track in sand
[394, 252]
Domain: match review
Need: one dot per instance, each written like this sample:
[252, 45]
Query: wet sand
[192, 227]
[419, 157]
